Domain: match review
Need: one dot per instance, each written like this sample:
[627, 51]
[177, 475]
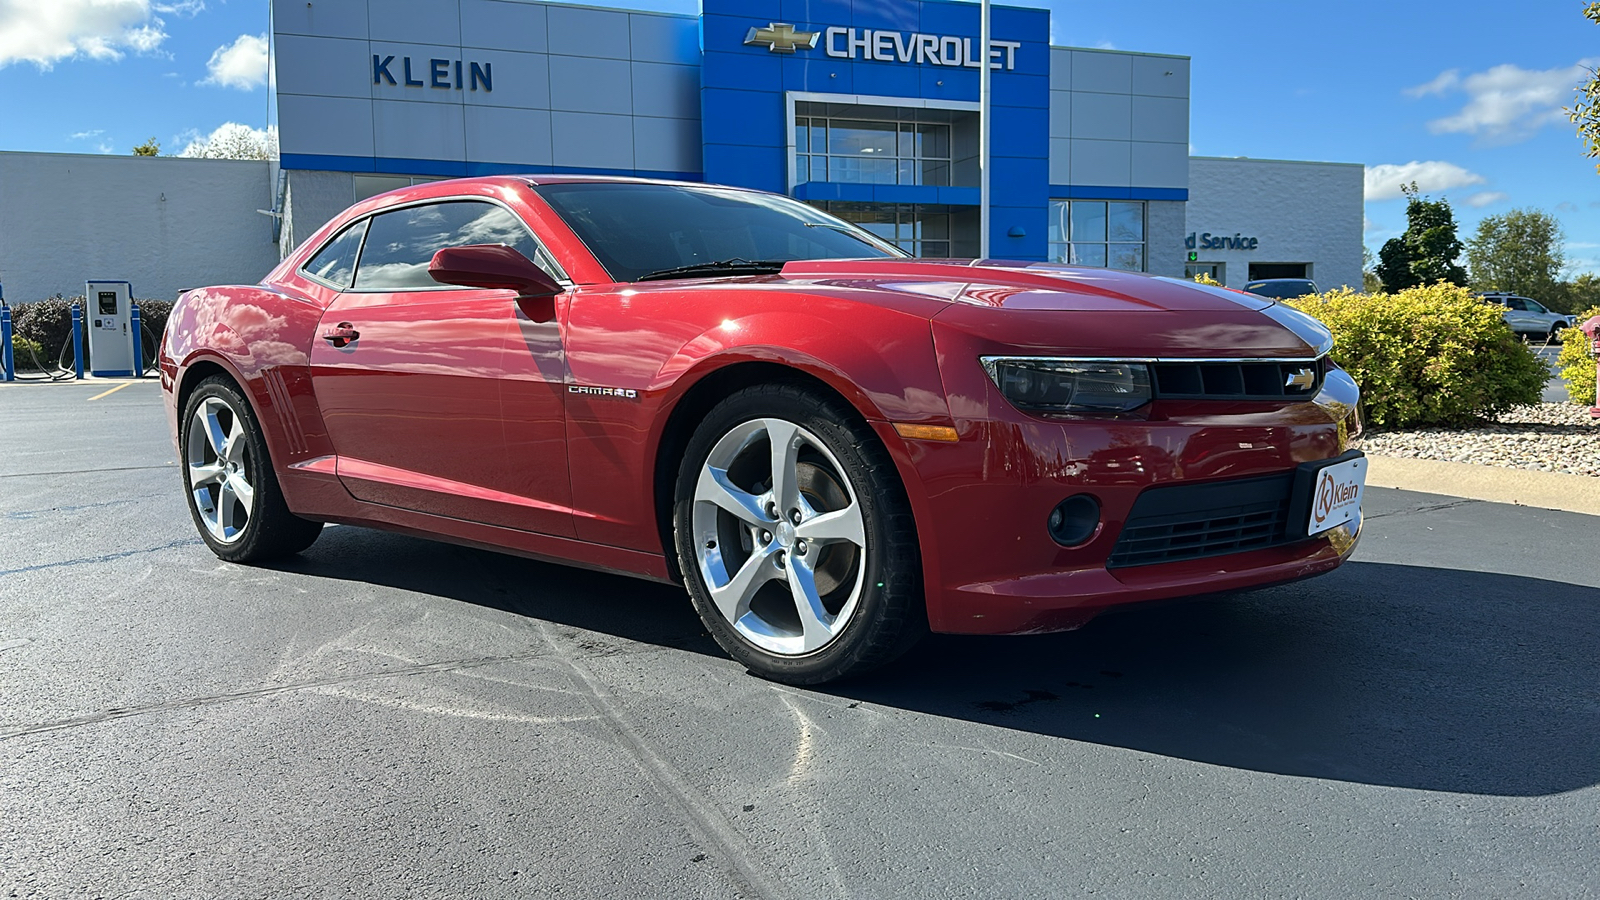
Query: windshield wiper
[733, 266]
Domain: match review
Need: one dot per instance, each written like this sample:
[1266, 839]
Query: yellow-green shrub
[1577, 366]
[1433, 355]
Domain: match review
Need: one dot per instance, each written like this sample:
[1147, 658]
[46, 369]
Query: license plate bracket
[1349, 470]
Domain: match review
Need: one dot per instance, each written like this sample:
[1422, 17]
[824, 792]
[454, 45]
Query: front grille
[1200, 380]
[1192, 521]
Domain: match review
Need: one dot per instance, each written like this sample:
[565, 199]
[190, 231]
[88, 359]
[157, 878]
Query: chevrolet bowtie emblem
[1301, 380]
[780, 37]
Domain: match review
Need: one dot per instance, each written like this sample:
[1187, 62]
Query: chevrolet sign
[885, 46]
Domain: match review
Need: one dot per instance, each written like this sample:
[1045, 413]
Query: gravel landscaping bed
[1549, 437]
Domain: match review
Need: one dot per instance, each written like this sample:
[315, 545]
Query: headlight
[1070, 386]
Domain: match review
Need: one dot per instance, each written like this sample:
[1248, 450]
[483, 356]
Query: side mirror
[498, 267]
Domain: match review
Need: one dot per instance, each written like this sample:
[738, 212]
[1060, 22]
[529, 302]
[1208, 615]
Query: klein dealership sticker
[613, 393]
[1336, 498]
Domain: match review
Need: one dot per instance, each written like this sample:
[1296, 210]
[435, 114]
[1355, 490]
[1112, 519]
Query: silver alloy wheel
[779, 536]
[219, 469]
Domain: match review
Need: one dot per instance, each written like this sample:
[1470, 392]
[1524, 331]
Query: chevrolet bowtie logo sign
[780, 37]
[1301, 380]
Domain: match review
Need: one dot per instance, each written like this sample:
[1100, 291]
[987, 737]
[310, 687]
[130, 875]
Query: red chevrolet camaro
[834, 447]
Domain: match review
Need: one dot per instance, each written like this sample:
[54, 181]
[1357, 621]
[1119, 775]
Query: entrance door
[411, 379]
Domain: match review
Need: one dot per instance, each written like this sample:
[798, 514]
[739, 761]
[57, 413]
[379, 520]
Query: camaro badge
[588, 391]
[780, 37]
[1301, 380]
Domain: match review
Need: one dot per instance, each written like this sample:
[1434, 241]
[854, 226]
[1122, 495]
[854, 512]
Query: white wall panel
[1161, 119]
[664, 39]
[666, 145]
[592, 141]
[1161, 76]
[1106, 72]
[666, 91]
[1301, 212]
[334, 126]
[321, 19]
[1060, 161]
[415, 22]
[329, 67]
[1060, 69]
[1105, 117]
[500, 24]
[575, 31]
[1159, 165]
[583, 84]
[1101, 162]
[418, 130]
[498, 134]
[1061, 114]
[162, 223]
[520, 79]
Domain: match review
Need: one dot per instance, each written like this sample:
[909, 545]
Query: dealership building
[868, 110]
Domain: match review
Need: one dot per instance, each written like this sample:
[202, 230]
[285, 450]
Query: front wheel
[795, 537]
[234, 496]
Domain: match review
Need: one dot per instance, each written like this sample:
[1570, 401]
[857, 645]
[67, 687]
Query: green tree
[1582, 292]
[151, 147]
[1428, 250]
[1521, 252]
[1370, 282]
[1585, 113]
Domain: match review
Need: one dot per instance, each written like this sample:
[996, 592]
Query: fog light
[1074, 520]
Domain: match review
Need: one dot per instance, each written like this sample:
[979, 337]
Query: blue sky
[1464, 97]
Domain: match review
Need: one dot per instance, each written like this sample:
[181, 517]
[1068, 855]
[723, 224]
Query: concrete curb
[1523, 487]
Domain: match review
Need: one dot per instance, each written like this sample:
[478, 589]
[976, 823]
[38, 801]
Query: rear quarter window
[335, 263]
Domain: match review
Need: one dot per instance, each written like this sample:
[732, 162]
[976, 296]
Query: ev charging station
[111, 327]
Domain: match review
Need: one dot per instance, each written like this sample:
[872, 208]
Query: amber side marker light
[927, 432]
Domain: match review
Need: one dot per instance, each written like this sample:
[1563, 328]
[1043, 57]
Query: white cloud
[85, 135]
[1484, 198]
[45, 32]
[1385, 181]
[241, 64]
[1368, 226]
[1567, 206]
[181, 7]
[1444, 82]
[1507, 104]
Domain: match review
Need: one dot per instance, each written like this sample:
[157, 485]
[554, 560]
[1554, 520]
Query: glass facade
[919, 229]
[872, 145]
[1108, 234]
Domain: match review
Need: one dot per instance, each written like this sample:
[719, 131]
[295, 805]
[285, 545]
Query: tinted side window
[400, 244]
[1517, 303]
[335, 263]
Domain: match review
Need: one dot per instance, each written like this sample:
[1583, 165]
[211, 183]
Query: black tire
[270, 531]
[1555, 334]
[889, 615]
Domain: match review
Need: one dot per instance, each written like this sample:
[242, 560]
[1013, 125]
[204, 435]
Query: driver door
[412, 377]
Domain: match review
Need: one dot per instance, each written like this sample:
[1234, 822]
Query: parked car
[833, 446]
[1529, 317]
[1282, 288]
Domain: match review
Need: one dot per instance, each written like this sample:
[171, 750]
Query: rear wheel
[234, 496]
[1555, 333]
[795, 537]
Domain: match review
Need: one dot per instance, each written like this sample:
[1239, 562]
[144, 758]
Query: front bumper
[982, 503]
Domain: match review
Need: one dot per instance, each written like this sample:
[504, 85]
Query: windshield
[1287, 289]
[639, 229]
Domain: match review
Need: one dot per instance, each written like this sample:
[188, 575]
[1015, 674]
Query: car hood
[1020, 306]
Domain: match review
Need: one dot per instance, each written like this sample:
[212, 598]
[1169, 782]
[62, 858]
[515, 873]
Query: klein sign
[885, 46]
[433, 73]
[1209, 241]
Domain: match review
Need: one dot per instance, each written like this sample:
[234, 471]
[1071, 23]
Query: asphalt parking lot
[389, 717]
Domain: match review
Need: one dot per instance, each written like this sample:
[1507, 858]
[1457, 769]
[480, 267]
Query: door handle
[341, 335]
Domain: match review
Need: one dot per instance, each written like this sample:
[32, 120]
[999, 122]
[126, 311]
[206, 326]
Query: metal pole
[8, 363]
[983, 133]
[138, 344]
[77, 340]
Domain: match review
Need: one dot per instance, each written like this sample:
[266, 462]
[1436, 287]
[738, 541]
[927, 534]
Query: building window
[1105, 233]
[872, 145]
[925, 230]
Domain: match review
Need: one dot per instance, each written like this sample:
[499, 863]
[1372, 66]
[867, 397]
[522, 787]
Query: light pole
[983, 132]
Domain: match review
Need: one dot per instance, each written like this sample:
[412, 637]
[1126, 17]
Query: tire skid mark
[109, 557]
[257, 693]
[708, 824]
[797, 782]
